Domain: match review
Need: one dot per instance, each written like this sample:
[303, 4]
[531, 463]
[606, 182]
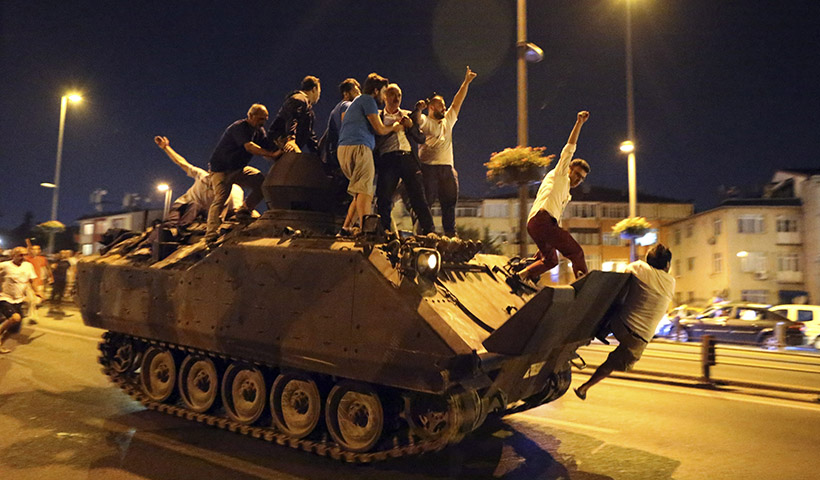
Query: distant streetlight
[164, 187]
[74, 98]
[742, 254]
[629, 148]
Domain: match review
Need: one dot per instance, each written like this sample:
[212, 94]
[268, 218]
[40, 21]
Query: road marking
[67, 334]
[563, 423]
[221, 460]
[723, 394]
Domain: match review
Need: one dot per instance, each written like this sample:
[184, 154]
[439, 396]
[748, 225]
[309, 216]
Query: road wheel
[769, 342]
[158, 374]
[198, 383]
[354, 416]
[124, 358]
[295, 404]
[244, 393]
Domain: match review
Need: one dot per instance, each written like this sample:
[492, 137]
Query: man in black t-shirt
[229, 165]
[59, 270]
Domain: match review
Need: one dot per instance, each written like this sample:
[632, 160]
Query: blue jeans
[441, 182]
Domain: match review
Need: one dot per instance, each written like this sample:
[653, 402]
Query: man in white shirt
[198, 198]
[651, 289]
[547, 209]
[436, 153]
[17, 275]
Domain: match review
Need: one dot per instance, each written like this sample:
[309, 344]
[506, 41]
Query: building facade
[747, 250]
[93, 227]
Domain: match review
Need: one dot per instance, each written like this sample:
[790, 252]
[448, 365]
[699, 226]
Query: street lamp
[163, 187]
[74, 98]
[629, 148]
[527, 52]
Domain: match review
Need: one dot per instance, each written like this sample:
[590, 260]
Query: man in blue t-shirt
[360, 123]
[229, 166]
[350, 89]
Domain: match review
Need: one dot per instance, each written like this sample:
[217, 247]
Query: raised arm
[462, 91]
[165, 145]
[583, 116]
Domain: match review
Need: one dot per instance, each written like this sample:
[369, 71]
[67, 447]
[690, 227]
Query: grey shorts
[356, 162]
[629, 349]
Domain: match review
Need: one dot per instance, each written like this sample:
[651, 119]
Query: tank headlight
[427, 262]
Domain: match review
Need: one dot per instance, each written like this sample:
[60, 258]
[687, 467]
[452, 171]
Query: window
[678, 271]
[585, 236]
[496, 210]
[805, 315]
[612, 240]
[754, 262]
[750, 224]
[88, 229]
[88, 248]
[593, 262]
[718, 225]
[466, 211]
[616, 265]
[717, 263]
[677, 236]
[583, 210]
[118, 223]
[754, 296]
[786, 224]
[614, 211]
[690, 263]
[689, 228]
[788, 262]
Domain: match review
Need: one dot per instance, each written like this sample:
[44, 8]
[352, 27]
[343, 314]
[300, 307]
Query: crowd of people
[377, 146]
[25, 278]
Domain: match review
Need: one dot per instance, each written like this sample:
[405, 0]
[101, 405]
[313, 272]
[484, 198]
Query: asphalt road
[61, 419]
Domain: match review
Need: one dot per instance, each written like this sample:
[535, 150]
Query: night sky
[727, 91]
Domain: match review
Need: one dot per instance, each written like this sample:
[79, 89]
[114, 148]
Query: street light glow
[627, 147]
[48, 185]
[163, 187]
[74, 97]
[742, 254]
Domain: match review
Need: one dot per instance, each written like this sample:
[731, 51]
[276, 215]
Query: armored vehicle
[361, 348]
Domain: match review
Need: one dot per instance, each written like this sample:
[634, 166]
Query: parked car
[744, 323]
[665, 327]
[808, 315]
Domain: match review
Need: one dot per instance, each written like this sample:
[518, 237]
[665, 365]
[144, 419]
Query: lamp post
[527, 52]
[628, 146]
[163, 187]
[55, 194]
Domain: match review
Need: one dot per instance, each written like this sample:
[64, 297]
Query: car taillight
[798, 326]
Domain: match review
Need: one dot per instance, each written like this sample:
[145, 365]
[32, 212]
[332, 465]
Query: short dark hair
[309, 83]
[374, 82]
[580, 162]
[349, 84]
[659, 256]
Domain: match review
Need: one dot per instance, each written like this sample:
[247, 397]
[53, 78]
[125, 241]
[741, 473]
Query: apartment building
[745, 249]
[92, 227]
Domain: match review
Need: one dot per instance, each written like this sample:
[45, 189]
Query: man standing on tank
[396, 160]
[229, 166]
[360, 123]
[436, 153]
[350, 89]
[292, 129]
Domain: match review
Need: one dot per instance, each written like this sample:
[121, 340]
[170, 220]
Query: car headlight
[427, 262]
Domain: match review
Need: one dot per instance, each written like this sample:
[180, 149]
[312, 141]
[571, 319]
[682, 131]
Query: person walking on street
[543, 223]
[436, 153]
[43, 272]
[59, 270]
[17, 276]
[651, 289]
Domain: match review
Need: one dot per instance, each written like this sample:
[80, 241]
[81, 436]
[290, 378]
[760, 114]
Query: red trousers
[551, 239]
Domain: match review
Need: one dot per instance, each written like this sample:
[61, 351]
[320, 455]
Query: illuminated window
[88, 229]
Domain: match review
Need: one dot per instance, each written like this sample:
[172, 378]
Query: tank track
[129, 383]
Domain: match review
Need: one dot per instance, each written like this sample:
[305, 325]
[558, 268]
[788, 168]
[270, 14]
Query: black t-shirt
[230, 153]
[60, 270]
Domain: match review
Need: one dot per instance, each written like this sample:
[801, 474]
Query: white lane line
[209, 456]
[563, 423]
[67, 334]
[722, 395]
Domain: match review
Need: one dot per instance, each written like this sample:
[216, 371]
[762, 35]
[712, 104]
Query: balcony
[788, 238]
[789, 277]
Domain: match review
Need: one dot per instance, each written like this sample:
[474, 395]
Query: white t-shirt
[553, 194]
[650, 292]
[15, 280]
[396, 141]
[437, 148]
[201, 195]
